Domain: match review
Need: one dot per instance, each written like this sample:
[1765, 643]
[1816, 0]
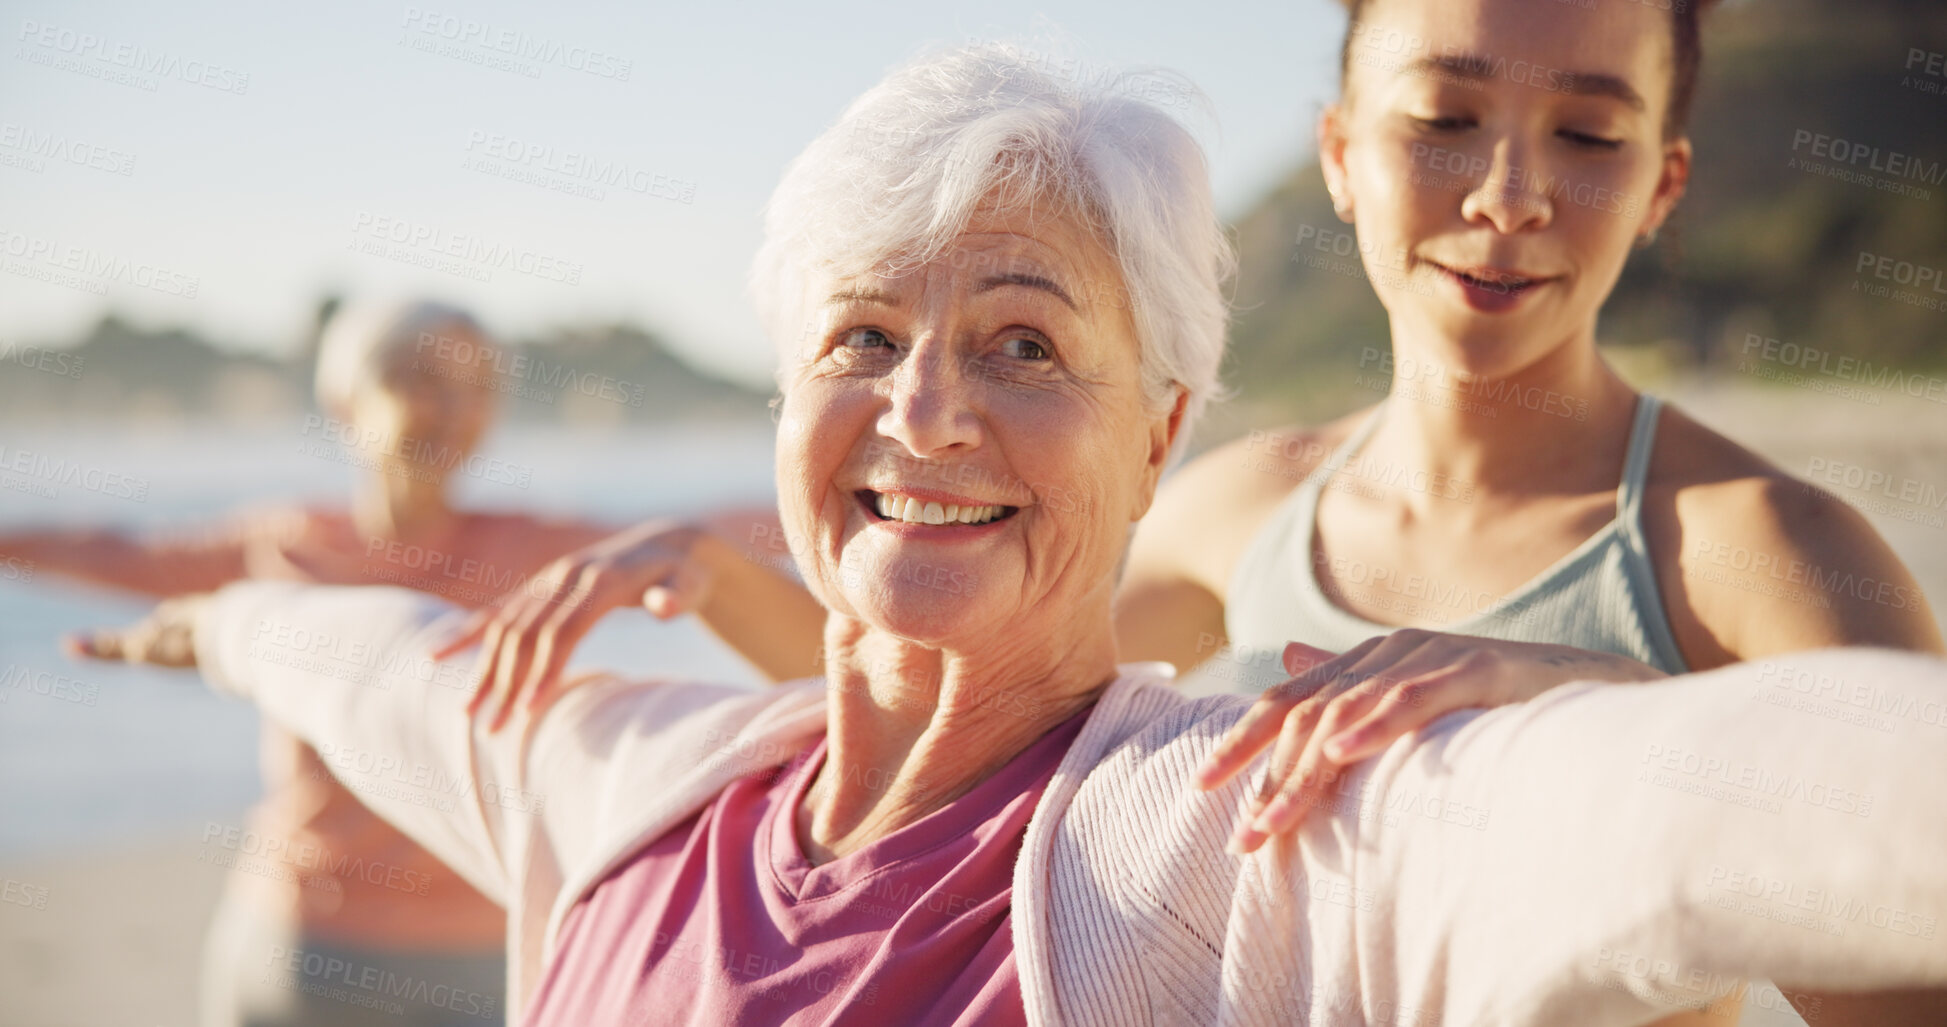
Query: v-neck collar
[792, 873]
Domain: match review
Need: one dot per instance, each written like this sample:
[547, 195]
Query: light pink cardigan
[1593, 857]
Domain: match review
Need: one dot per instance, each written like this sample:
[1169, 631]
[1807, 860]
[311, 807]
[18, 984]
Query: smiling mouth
[1492, 280]
[910, 510]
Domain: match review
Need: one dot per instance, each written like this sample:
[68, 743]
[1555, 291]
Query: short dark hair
[1686, 56]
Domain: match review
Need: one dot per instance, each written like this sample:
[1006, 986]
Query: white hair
[912, 160]
[362, 341]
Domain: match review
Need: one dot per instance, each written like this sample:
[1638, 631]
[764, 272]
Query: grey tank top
[1601, 596]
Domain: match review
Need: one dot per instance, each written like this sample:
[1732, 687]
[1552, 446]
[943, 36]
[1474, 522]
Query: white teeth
[913, 511]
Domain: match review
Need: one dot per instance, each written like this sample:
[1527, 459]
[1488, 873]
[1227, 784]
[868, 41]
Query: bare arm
[157, 566]
[732, 569]
[1170, 605]
[1753, 562]
[1161, 614]
[754, 605]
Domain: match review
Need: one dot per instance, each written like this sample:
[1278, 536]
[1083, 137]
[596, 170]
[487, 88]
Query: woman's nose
[931, 408]
[1507, 196]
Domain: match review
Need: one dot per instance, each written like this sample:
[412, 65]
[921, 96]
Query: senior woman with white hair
[409, 387]
[997, 320]
[409, 413]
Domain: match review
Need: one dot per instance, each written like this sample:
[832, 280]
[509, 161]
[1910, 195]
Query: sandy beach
[113, 935]
[106, 937]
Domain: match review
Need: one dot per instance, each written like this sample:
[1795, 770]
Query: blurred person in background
[405, 386]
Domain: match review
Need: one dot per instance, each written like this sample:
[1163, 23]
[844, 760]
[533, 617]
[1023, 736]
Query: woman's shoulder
[1718, 490]
[1756, 560]
[1211, 508]
[1270, 461]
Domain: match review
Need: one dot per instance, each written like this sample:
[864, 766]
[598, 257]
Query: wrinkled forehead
[975, 263]
[1058, 256]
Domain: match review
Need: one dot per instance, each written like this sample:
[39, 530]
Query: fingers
[516, 658]
[527, 641]
[473, 630]
[1400, 686]
[555, 644]
[166, 637]
[677, 594]
[500, 630]
[1260, 726]
[138, 643]
[1299, 658]
[1407, 707]
[1298, 774]
[496, 633]
[99, 644]
[1248, 737]
[1296, 732]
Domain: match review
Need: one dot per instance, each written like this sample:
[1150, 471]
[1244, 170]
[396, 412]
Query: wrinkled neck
[912, 728]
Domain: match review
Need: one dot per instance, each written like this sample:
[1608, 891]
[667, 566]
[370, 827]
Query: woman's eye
[1593, 142]
[1024, 348]
[1444, 124]
[865, 338]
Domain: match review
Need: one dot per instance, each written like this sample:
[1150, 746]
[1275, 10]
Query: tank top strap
[1293, 518]
[1636, 461]
[1296, 519]
[1638, 566]
[1274, 571]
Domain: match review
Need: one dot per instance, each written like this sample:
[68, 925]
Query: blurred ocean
[106, 754]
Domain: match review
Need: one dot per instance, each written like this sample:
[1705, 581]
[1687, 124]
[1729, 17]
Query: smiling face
[1500, 159]
[963, 447]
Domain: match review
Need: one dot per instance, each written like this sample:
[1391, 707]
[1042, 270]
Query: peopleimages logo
[463, 253]
[1873, 158]
[515, 44]
[59, 363]
[38, 147]
[510, 156]
[1825, 363]
[93, 264]
[501, 366]
[127, 63]
[49, 471]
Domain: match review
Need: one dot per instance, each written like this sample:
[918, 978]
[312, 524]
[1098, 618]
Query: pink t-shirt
[723, 920]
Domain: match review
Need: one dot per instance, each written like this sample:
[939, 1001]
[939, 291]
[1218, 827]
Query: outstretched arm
[157, 566]
[522, 815]
[733, 570]
[1603, 850]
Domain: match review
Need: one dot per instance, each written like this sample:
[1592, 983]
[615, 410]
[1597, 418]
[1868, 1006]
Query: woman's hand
[528, 635]
[1337, 710]
[165, 638]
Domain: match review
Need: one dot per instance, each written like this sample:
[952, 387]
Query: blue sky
[259, 157]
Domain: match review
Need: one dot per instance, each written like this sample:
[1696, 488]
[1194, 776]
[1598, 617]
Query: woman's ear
[1163, 431]
[1331, 159]
[1671, 181]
